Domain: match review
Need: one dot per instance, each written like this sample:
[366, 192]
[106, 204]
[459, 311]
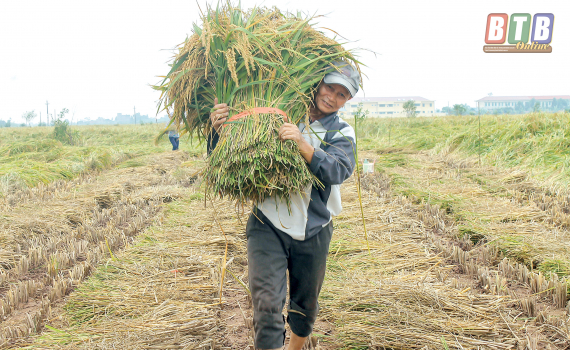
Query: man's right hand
[219, 115]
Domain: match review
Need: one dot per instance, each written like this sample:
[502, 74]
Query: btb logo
[519, 33]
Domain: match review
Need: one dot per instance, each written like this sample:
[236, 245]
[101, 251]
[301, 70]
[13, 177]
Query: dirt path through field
[417, 283]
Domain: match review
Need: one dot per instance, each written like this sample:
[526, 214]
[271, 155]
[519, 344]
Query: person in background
[174, 138]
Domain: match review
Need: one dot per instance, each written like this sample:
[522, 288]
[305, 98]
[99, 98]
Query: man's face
[331, 97]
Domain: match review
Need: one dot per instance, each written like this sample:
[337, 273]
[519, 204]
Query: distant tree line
[459, 109]
[30, 116]
[125, 119]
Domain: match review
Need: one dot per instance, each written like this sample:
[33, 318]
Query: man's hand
[219, 115]
[290, 131]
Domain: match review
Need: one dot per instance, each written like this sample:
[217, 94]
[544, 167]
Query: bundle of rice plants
[250, 59]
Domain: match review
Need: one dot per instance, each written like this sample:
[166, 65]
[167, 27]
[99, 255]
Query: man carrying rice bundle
[296, 238]
[275, 142]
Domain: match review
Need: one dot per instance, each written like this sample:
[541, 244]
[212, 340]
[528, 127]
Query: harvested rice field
[462, 255]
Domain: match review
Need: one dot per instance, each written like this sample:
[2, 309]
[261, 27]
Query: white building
[388, 106]
[496, 102]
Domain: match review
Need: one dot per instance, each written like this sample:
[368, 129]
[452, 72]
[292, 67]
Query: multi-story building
[496, 102]
[388, 106]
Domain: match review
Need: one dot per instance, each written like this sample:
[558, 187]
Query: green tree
[536, 107]
[459, 109]
[62, 113]
[410, 108]
[559, 104]
[468, 109]
[531, 104]
[62, 131]
[29, 116]
[361, 114]
[519, 107]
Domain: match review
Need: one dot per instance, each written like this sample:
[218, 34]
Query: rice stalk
[248, 59]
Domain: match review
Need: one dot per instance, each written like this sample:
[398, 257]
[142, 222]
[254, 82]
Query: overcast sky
[98, 58]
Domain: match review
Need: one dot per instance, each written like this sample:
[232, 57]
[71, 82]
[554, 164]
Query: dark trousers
[271, 253]
[175, 141]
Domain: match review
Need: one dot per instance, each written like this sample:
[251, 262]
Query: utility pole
[47, 112]
[479, 150]
[40, 124]
[135, 115]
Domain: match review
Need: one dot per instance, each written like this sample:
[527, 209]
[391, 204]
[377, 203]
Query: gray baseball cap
[344, 74]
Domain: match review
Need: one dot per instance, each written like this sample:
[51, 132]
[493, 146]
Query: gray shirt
[333, 162]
